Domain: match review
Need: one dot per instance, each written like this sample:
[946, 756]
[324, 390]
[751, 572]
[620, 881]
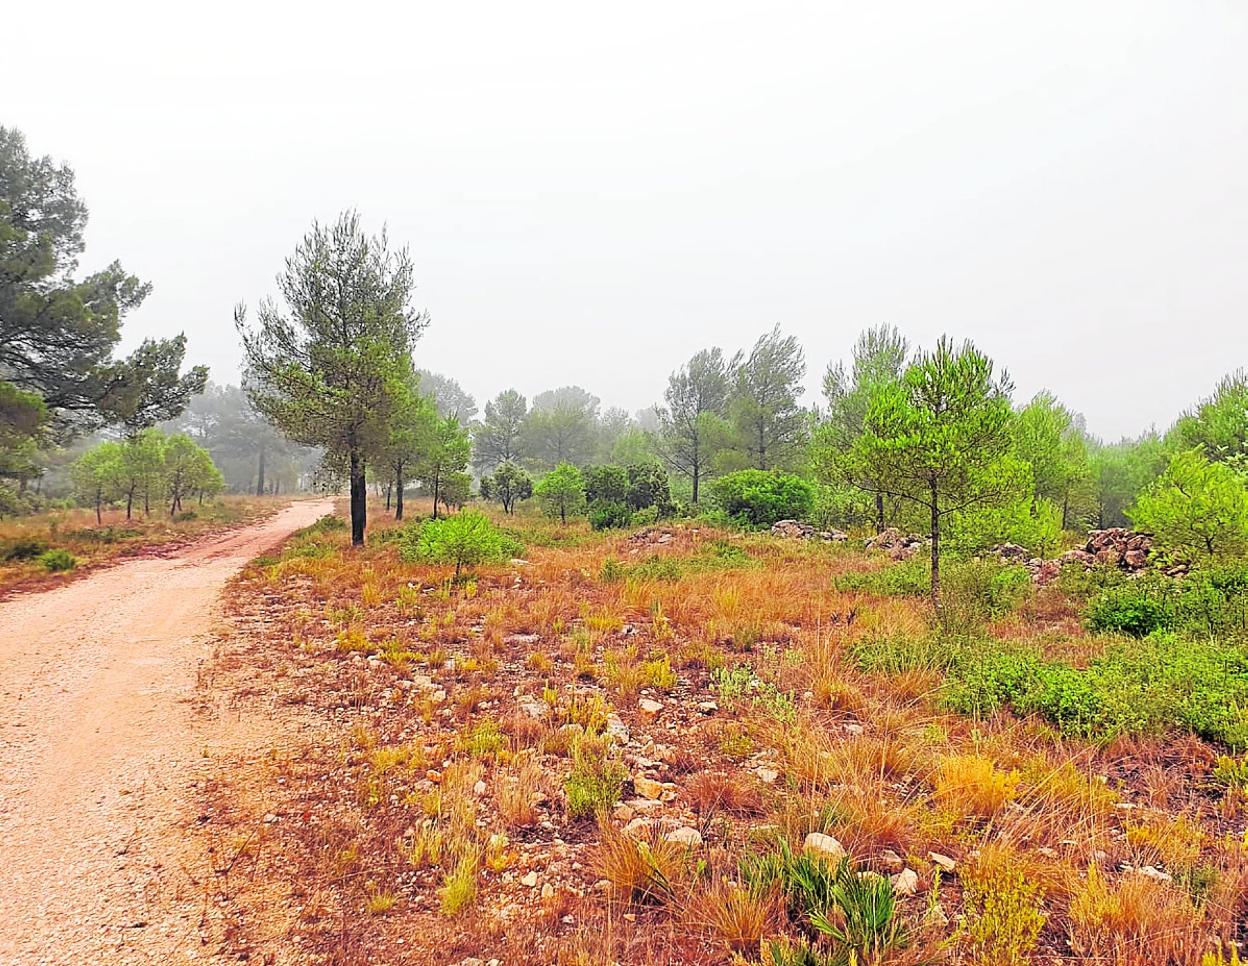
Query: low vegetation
[696, 744]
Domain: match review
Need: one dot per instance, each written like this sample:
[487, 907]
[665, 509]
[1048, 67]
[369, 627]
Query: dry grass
[484, 777]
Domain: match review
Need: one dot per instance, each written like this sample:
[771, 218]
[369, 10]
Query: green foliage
[22, 548]
[857, 911]
[1218, 426]
[764, 408]
[497, 439]
[615, 493]
[607, 515]
[561, 428]
[561, 492]
[940, 438]
[1210, 602]
[330, 371]
[467, 539]
[1035, 524]
[59, 333]
[758, 498]
[57, 560]
[595, 781]
[1231, 772]
[1120, 473]
[1138, 608]
[979, 590]
[1196, 508]
[692, 424]
[1004, 914]
[508, 484]
[879, 357]
[976, 590]
[1144, 686]
[1048, 440]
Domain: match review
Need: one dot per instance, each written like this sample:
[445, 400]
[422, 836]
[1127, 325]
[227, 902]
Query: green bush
[645, 517]
[57, 560]
[758, 498]
[1137, 607]
[976, 591]
[22, 548]
[466, 539]
[1147, 686]
[609, 515]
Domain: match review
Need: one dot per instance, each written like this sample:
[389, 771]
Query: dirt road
[100, 750]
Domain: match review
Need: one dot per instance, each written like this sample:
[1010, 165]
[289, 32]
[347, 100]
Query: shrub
[1138, 608]
[640, 869]
[466, 539]
[595, 781]
[973, 785]
[645, 517]
[609, 514]
[1195, 508]
[976, 591]
[23, 548]
[1004, 912]
[758, 498]
[58, 560]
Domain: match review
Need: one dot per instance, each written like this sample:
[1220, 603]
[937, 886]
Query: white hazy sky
[593, 192]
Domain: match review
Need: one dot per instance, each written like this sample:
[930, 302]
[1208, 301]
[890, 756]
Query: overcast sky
[593, 192]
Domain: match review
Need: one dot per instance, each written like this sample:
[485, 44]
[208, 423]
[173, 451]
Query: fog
[592, 193]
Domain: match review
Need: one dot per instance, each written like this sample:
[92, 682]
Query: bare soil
[105, 753]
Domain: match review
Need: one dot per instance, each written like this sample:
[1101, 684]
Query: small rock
[943, 862]
[638, 826]
[624, 813]
[708, 707]
[616, 728]
[767, 775]
[891, 861]
[853, 728]
[480, 788]
[647, 787]
[649, 707]
[905, 882]
[529, 879]
[824, 846]
[689, 837]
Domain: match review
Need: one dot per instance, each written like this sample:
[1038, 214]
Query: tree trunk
[387, 489]
[696, 476]
[398, 493]
[935, 548]
[98, 518]
[359, 500]
[437, 490]
[129, 502]
[260, 472]
[879, 512]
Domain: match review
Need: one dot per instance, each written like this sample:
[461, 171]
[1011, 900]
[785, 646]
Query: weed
[57, 561]
[459, 886]
[595, 781]
[1004, 911]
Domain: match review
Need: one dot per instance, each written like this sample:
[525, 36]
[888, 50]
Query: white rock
[686, 836]
[945, 863]
[768, 775]
[529, 879]
[649, 707]
[824, 846]
[905, 882]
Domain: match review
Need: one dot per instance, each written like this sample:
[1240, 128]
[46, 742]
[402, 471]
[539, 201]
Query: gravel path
[101, 750]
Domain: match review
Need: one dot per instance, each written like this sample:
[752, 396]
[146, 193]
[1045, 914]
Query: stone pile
[796, 530]
[1116, 546]
[898, 545]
